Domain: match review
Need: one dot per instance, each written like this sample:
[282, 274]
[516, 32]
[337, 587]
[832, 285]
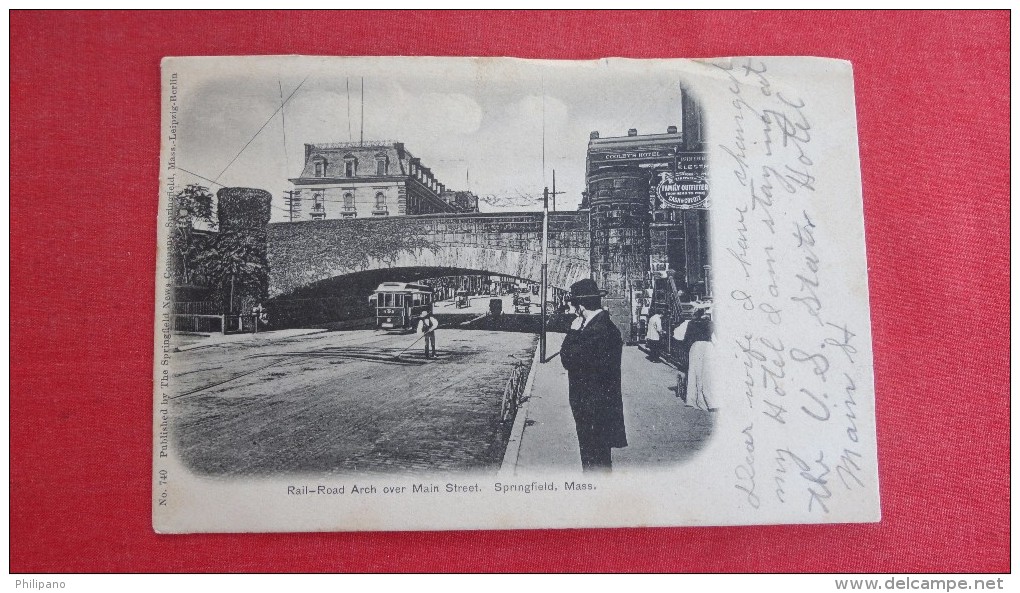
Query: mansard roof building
[363, 179]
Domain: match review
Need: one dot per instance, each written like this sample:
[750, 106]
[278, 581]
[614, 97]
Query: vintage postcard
[454, 293]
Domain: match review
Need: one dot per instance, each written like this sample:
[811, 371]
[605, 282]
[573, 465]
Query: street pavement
[191, 341]
[336, 402]
[661, 430]
[342, 402]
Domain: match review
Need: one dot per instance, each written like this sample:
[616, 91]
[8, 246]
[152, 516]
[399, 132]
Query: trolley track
[384, 356]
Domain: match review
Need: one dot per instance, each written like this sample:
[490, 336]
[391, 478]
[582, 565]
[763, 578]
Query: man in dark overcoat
[591, 353]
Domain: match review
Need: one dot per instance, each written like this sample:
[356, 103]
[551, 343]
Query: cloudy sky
[481, 117]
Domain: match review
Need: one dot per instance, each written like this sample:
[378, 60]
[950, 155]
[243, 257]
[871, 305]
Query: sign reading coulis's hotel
[631, 155]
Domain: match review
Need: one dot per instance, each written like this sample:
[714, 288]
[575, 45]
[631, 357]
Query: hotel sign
[631, 156]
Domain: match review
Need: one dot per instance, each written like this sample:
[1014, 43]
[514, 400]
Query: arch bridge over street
[308, 253]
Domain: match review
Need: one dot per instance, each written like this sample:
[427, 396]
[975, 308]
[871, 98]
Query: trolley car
[397, 304]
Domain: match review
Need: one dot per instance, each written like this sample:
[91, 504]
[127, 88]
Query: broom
[397, 357]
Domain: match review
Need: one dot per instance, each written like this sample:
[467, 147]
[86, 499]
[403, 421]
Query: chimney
[671, 130]
[400, 149]
[632, 132]
[594, 136]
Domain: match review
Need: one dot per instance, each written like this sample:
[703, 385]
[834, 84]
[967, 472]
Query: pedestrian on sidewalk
[682, 358]
[260, 316]
[644, 308]
[427, 325]
[592, 353]
[695, 360]
[654, 336]
[700, 360]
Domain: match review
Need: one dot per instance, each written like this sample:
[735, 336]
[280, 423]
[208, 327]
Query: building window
[380, 205]
[320, 167]
[350, 166]
[318, 204]
[349, 210]
[381, 163]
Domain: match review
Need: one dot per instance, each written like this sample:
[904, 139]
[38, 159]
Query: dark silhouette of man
[427, 326]
[592, 353]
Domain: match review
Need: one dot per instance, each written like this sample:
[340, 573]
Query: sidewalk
[660, 428]
[183, 342]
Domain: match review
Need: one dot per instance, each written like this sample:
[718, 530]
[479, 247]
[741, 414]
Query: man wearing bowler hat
[591, 353]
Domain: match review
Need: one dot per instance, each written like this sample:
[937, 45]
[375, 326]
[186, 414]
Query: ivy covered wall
[302, 253]
[236, 263]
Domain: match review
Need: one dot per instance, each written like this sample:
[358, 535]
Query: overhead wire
[252, 139]
[199, 176]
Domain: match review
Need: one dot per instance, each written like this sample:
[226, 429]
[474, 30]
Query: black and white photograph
[426, 293]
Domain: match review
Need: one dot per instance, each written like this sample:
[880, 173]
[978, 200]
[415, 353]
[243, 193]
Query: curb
[513, 446]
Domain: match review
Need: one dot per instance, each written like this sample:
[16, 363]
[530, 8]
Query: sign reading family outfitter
[675, 191]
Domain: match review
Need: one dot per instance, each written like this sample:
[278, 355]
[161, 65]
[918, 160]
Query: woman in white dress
[699, 381]
[699, 370]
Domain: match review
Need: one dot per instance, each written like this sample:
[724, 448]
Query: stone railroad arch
[304, 253]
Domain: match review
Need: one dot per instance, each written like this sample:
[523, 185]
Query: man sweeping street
[427, 325]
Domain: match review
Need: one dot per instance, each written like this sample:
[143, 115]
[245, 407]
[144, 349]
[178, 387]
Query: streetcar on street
[398, 304]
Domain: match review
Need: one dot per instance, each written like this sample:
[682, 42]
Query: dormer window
[350, 166]
[381, 164]
[320, 166]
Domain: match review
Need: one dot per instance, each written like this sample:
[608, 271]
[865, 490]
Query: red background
[932, 101]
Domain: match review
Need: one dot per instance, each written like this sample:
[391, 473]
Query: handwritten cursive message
[799, 351]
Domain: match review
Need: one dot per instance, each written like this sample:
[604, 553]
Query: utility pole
[554, 193]
[350, 134]
[545, 271]
[293, 201]
[544, 299]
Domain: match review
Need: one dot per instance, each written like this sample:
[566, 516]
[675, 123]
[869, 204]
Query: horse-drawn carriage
[522, 303]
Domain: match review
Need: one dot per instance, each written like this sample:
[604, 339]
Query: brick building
[355, 179]
[648, 199]
[464, 201]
